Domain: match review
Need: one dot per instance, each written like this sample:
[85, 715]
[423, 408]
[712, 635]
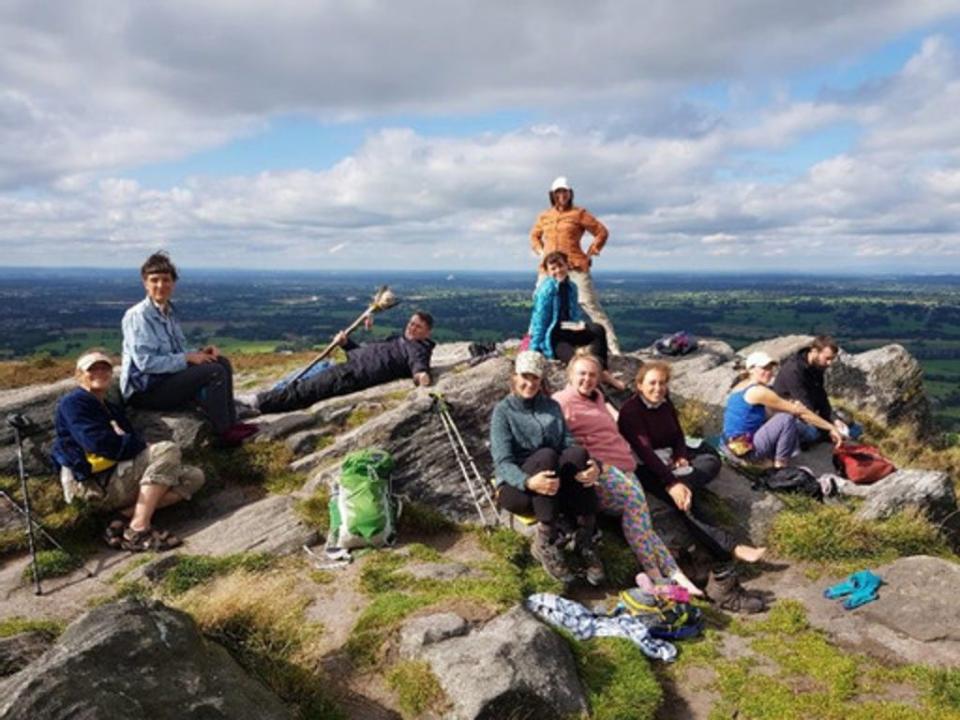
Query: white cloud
[92, 89]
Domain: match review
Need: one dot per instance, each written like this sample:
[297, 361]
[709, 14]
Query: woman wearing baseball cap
[103, 460]
[541, 471]
[749, 433]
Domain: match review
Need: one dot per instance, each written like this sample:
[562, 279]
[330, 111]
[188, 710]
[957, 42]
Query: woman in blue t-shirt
[749, 433]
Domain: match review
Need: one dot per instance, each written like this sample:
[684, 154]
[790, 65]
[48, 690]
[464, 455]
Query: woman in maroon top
[667, 469]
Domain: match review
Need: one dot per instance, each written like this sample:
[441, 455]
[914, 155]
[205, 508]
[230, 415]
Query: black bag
[792, 479]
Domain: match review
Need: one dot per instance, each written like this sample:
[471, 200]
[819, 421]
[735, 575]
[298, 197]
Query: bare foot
[683, 581]
[748, 553]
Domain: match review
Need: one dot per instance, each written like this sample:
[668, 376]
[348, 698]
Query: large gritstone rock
[129, 660]
[512, 667]
[886, 383]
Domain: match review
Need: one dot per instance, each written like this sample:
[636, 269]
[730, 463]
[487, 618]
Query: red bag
[862, 464]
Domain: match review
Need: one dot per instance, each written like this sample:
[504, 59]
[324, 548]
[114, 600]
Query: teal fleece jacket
[519, 428]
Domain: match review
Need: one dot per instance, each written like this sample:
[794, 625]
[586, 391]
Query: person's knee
[540, 460]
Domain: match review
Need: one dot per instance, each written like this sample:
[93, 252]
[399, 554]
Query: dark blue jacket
[82, 426]
[395, 358]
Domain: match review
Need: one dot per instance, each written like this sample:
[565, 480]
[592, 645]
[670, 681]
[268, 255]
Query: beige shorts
[158, 464]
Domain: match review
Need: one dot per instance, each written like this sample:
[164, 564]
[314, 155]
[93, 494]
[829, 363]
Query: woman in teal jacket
[558, 326]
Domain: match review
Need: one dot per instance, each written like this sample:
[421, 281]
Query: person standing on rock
[394, 358]
[160, 373]
[541, 471]
[561, 228]
[103, 461]
[801, 378]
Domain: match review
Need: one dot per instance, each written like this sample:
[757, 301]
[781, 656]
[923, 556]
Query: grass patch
[833, 537]
[619, 681]
[424, 520]
[360, 415]
[16, 625]
[52, 563]
[619, 562]
[266, 464]
[74, 525]
[804, 676]
[416, 687]
[259, 618]
[38, 370]
[192, 570]
[315, 510]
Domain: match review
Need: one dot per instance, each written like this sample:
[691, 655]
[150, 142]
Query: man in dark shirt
[801, 378]
[399, 356]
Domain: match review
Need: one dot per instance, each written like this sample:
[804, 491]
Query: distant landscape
[60, 312]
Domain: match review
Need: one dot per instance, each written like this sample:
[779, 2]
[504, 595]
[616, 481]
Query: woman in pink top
[595, 429]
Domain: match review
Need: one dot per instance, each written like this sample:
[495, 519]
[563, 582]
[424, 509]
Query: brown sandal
[148, 540]
[113, 533]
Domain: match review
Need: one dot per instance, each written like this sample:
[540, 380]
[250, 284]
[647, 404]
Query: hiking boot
[551, 557]
[592, 565]
[724, 589]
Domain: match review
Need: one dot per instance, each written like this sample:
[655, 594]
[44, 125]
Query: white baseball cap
[529, 362]
[87, 361]
[561, 182]
[759, 359]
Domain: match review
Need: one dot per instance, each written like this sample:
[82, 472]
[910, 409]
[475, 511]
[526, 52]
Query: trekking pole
[473, 465]
[445, 421]
[384, 299]
[463, 454]
[20, 423]
[36, 525]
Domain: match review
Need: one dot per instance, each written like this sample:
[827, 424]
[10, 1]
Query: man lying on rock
[106, 463]
[374, 363]
[801, 379]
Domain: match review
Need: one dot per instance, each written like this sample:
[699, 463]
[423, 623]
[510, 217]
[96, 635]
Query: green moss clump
[16, 625]
[417, 688]
[266, 464]
[423, 519]
[52, 563]
[193, 570]
[315, 510]
[377, 620]
[619, 681]
[619, 562]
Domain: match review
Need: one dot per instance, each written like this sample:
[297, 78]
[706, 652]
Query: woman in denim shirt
[159, 373]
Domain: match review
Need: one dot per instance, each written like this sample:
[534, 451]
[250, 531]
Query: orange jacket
[562, 230]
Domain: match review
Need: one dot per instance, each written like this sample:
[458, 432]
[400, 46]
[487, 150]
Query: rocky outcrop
[916, 618]
[886, 384]
[130, 660]
[527, 670]
[17, 651]
[270, 525]
[929, 491]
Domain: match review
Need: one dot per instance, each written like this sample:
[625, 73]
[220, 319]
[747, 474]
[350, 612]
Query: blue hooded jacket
[546, 314]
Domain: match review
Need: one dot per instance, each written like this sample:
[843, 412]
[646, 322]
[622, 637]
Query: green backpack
[362, 508]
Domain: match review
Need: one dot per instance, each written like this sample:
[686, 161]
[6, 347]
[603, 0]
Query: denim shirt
[153, 344]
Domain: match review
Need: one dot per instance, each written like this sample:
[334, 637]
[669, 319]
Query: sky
[745, 135]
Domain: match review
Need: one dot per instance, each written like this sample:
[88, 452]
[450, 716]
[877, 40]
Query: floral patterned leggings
[621, 493]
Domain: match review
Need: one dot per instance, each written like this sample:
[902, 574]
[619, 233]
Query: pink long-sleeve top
[595, 429]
